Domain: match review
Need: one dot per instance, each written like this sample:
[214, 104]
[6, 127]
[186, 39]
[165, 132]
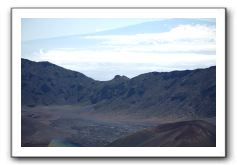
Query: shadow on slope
[196, 133]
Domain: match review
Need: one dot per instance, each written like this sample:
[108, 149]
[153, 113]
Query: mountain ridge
[118, 76]
[177, 94]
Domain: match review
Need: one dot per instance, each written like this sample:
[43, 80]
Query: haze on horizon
[103, 48]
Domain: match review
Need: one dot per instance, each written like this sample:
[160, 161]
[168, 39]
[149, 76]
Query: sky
[40, 28]
[103, 48]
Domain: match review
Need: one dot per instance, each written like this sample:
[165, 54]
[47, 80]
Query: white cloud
[61, 57]
[194, 33]
[183, 47]
[183, 38]
[94, 63]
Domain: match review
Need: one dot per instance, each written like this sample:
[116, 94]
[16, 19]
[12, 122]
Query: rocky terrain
[196, 133]
[58, 103]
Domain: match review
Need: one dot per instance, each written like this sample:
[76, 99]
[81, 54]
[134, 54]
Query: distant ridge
[177, 94]
[45, 63]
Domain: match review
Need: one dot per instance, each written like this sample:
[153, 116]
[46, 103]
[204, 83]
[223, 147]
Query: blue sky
[33, 28]
[103, 48]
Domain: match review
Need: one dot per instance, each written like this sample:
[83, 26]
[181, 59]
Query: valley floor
[75, 125]
[42, 125]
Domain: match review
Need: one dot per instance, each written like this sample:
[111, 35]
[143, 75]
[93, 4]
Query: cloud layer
[183, 47]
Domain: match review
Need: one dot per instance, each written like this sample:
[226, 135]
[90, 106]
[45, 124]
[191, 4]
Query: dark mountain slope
[182, 95]
[44, 83]
[195, 133]
[175, 94]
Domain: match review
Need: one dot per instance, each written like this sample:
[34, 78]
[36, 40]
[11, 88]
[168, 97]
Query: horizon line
[118, 74]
